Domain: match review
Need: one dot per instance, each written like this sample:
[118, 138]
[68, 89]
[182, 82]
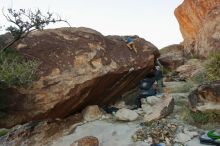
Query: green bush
[200, 77]
[167, 71]
[3, 131]
[198, 118]
[213, 67]
[186, 87]
[15, 70]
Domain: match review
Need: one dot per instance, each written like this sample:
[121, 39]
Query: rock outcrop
[78, 67]
[199, 25]
[5, 39]
[206, 97]
[208, 39]
[172, 56]
[161, 108]
[191, 14]
[190, 69]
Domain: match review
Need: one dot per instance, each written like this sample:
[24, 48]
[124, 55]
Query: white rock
[153, 100]
[147, 108]
[209, 106]
[91, 113]
[182, 138]
[161, 109]
[126, 115]
[149, 140]
[190, 133]
[193, 134]
[103, 117]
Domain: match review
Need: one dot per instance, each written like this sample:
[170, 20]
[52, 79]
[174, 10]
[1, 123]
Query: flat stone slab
[108, 134]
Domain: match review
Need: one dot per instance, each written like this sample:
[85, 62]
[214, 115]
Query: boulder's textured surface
[199, 25]
[206, 97]
[208, 39]
[79, 67]
[190, 15]
[162, 108]
[172, 56]
[40, 133]
[190, 69]
[5, 39]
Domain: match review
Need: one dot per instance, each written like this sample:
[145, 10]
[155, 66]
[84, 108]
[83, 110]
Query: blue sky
[153, 20]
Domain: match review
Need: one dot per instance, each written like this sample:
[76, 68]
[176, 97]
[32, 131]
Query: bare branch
[26, 21]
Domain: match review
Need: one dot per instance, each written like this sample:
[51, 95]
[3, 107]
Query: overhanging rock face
[79, 67]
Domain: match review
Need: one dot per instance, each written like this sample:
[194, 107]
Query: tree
[25, 21]
[15, 69]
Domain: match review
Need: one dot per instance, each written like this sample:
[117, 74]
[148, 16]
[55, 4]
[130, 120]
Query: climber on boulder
[130, 42]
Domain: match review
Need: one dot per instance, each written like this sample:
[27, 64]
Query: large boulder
[190, 69]
[158, 109]
[206, 98]
[199, 25]
[78, 67]
[172, 56]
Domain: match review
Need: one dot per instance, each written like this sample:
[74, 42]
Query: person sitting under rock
[110, 109]
[159, 76]
[146, 87]
[130, 42]
[159, 79]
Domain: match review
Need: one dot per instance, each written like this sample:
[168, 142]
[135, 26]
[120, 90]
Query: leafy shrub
[200, 77]
[188, 87]
[213, 67]
[185, 87]
[15, 70]
[167, 71]
[3, 131]
[198, 118]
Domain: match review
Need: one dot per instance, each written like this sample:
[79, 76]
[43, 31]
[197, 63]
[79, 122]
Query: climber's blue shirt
[129, 39]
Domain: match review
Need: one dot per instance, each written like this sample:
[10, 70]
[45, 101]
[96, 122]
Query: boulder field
[78, 67]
